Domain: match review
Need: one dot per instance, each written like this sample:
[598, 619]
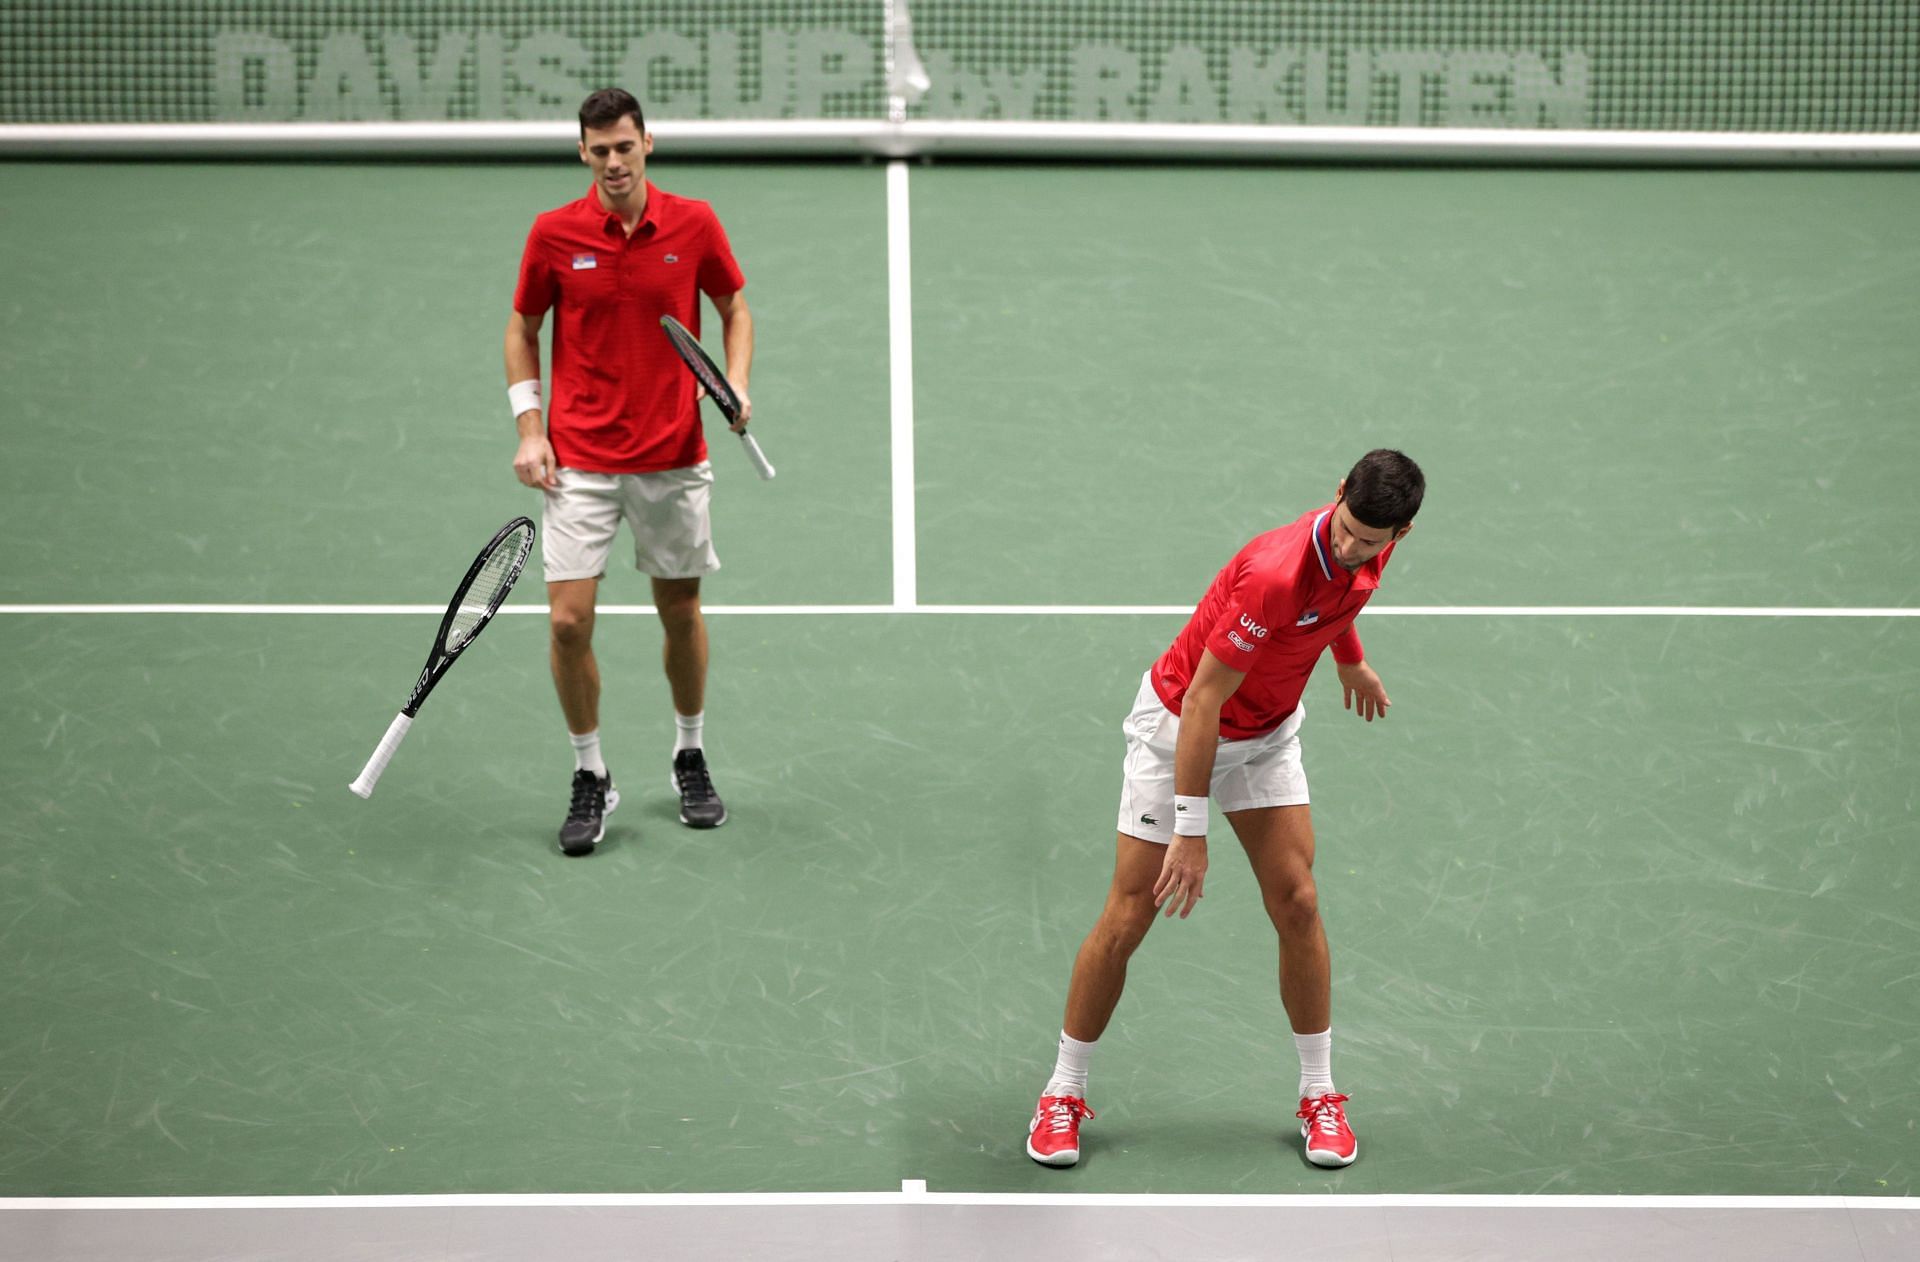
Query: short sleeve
[720, 275]
[535, 292]
[1243, 631]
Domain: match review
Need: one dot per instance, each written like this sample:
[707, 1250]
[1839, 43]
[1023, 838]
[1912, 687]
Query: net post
[890, 58]
[906, 78]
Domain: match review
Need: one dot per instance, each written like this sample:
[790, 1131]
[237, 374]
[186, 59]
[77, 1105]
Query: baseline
[1400, 611]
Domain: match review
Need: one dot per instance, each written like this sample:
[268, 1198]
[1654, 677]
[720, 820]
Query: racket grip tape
[758, 457]
[370, 774]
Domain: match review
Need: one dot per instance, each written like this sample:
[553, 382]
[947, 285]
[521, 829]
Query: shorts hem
[1164, 837]
[667, 578]
[1291, 799]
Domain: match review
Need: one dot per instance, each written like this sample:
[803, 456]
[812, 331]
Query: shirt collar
[1364, 579]
[608, 219]
[1322, 533]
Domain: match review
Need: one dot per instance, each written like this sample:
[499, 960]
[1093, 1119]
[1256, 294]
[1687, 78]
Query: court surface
[1621, 897]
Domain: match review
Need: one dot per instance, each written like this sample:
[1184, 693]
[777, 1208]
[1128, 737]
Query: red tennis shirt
[621, 401]
[1273, 609]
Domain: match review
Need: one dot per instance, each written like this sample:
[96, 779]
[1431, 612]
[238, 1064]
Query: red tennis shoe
[1053, 1136]
[1323, 1124]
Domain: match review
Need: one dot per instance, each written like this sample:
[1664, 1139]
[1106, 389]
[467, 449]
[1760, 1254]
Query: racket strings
[489, 588]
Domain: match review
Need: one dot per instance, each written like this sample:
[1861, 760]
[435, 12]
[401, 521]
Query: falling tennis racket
[478, 598]
[717, 387]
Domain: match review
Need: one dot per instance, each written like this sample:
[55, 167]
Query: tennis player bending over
[1220, 712]
[622, 440]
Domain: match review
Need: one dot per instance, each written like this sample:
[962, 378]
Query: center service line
[906, 575]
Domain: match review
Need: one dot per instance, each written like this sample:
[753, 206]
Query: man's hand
[534, 463]
[1361, 691]
[746, 406]
[739, 424]
[1182, 875]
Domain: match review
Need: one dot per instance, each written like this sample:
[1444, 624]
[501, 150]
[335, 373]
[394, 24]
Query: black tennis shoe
[593, 800]
[700, 806]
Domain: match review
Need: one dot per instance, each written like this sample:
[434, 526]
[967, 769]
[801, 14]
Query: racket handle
[370, 774]
[759, 458]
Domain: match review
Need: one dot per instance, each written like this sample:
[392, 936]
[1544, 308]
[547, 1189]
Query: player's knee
[1123, 925]
[679, 610]
[681, 620]
[1295, 909]
[572, 628]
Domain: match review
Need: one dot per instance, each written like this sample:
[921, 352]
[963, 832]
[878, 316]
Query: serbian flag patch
[581, 262]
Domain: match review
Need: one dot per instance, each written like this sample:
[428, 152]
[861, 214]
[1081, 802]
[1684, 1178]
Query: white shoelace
[1063, 1113]
[1326, 1116]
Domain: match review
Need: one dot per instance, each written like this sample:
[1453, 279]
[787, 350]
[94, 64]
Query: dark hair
[607, 107]
[1384, 489]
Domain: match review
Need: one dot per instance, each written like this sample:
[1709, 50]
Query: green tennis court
[1621, 898]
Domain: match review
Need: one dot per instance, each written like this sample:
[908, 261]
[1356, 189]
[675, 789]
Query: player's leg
[1261, 787]
[684, 653]
[673, 546]
[576, 672]
[1093, 991]
[580, 519]
[1279, 844]
[1100, 967]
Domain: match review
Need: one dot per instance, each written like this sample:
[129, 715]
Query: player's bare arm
[533, 462]
[736, 330]
[1361, 690]
[1183, 874]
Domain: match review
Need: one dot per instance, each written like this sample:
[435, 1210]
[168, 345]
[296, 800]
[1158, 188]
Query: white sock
[1070, 1070]
[1316, 1060]
[586, 753]
[687, 732]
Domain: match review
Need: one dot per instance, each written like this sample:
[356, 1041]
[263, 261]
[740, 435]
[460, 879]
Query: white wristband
[1189, 816]
[524, 396]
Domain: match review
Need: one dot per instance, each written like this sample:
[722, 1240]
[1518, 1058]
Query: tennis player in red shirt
[621, 440]
[1220, 713]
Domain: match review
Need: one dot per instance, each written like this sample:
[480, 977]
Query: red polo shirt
[621, 401]
[1276, 606]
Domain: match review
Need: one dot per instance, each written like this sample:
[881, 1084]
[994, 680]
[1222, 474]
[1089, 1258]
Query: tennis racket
[475, 601]
[717, 387]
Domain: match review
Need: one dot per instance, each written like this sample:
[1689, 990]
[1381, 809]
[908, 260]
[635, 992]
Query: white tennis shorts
[667, 512]
[1247, 775]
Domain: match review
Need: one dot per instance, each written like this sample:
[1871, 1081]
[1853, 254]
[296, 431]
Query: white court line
[906, 572]
[1063, 611]
[1470, 611]
[913, 1192]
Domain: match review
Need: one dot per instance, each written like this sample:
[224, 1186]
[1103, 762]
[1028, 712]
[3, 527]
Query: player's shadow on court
[654, 818]
[641, 819]
[659, 816]
[1221, 1150]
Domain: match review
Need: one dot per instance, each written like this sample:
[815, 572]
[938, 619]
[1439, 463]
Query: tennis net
[1839, 67]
